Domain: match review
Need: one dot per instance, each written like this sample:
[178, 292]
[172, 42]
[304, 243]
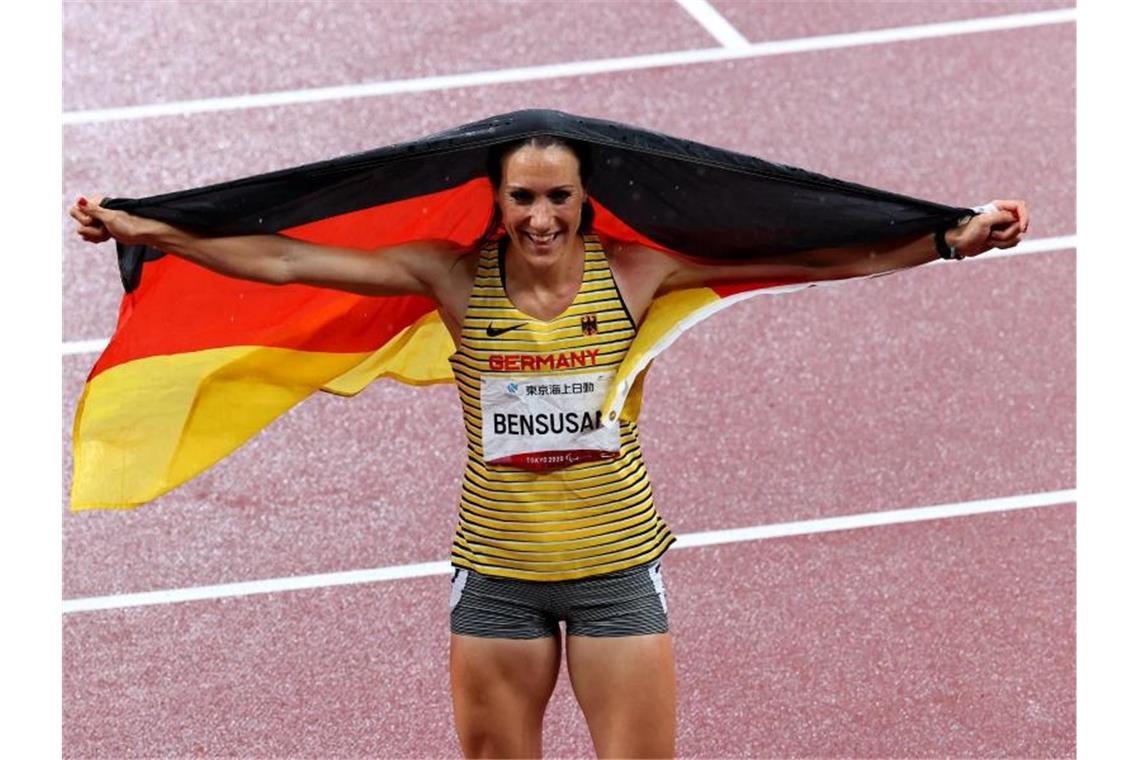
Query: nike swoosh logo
[494, 332]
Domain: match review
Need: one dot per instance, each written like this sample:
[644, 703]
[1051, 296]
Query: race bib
[542, 422]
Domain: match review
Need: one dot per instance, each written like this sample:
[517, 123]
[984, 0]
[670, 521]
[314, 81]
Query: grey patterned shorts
[628, 602]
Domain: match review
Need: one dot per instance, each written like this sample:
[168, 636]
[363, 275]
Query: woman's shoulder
[638, 272]
[633, 259]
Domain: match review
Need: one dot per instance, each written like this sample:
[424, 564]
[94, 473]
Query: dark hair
[498, 153]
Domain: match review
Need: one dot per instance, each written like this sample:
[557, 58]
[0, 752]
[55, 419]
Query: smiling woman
[557, 522]
[575, 179]
[543, 461]
[541, 205]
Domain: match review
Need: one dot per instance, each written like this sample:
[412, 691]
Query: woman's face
[541, 199]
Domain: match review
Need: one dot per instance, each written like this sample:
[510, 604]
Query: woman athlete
[541, 318]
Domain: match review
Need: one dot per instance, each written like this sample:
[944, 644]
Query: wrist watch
[945, 251]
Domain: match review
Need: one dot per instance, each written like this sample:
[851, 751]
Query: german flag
[199, 362]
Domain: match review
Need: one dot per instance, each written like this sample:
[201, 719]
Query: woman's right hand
[98, 224]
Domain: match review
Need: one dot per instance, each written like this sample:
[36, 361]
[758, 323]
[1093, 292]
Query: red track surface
[951, 383]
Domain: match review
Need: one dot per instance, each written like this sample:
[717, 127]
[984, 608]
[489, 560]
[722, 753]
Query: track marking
[1044, 245]
[714, 23]
[575, 68]
[687, 541]
[871, 519]
[95, 345]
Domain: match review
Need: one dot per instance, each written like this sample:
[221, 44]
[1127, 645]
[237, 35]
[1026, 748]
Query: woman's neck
[555, 275]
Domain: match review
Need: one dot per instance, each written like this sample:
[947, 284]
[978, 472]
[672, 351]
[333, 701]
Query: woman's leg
[499, 688]
[626, 686]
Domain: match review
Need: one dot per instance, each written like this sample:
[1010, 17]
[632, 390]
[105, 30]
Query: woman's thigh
[499, 690]
[626, 686]
[620, 656]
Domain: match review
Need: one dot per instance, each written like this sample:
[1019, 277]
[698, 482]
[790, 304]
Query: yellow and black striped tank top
[519, 379]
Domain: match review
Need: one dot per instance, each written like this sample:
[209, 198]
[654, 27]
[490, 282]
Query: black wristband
[945, 251]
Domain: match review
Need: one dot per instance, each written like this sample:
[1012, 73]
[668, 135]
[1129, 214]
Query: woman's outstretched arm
[411, 269]
[1001, 227]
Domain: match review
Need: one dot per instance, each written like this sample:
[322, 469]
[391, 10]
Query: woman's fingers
[81, 211]
[120, 225]
[986, 225]
[94, 210]
[84, 219]
[1000, 218]
[1006, 242]
[1005, 231]
[87, 213]
[79, 214]
[1006, 235]
[1018, 208]
[93, 234]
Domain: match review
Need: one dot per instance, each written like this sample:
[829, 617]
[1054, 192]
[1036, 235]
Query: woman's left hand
[1001, 228]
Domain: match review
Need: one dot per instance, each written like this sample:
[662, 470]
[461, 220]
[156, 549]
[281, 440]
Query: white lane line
[93, 346]
[1044, 245]
[714, 23]
[870, 519]
[689, 540]
[248, 588]
[575, 68]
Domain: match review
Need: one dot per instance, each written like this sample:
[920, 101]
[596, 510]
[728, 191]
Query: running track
[901, 631]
